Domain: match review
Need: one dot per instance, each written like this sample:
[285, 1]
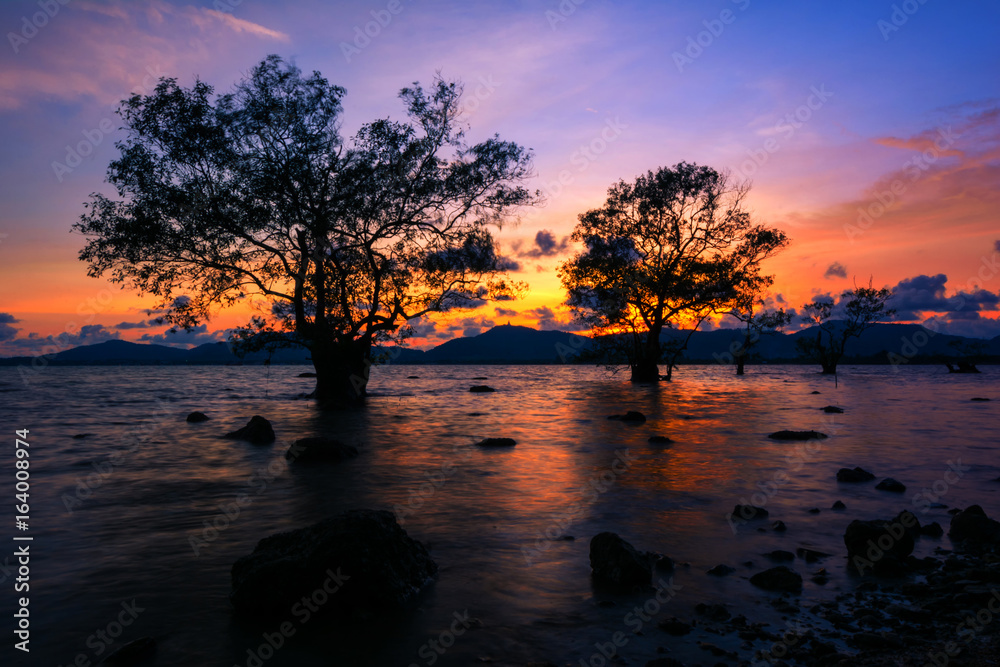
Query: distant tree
[255, 195]
[864, 307]
[750, 310]
[669, 249]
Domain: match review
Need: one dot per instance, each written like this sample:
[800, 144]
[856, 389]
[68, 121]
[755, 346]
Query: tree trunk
[829, 367]
[342, 372]
[646, 365]
[739, 364]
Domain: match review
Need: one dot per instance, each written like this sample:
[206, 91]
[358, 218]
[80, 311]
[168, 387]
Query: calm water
[129, 537]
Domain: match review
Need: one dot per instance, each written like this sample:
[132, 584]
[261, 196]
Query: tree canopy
[255, 196]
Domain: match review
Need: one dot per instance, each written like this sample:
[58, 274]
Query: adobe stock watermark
[363, 35]
[432, 650]
[586, 155]
[779, 649]
[92, 138]
[427, 490]
[786, 128]
[697, 43]
[104, 638]
[967, 629]
[928, 496]
[485, 87]
[901, 13]
[565, 9]
[915, 169]
[31, 25]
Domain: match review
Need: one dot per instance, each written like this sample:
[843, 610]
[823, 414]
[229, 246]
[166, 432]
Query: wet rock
[132, 652]
[480, 377]
[664, 662]
[660, 440]
[878, 546]
[616, 562]
[661, 563]
[81, 436]
[497, 442]
[973, 526]
[857, 475]
[779, 526]
[721, 570]
[412, 377]
[810, 555]
[797, 435]
[715, 612]
[833, 410]
[780, 578]
[630, 416]
[306, 375]
[310, 450]
[197, 417]
[813, 392]
[481, 389]
[674, 626]
[814, 510]
[258, 431]
[979, 399]
[932, 529]
[748, 513]
[780, 555]
[890, 484]
[362, 560]
[839, 505]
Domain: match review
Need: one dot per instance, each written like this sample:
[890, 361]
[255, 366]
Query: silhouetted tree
[864, 307]
[667, 250]
[254, 194]
[757, 321]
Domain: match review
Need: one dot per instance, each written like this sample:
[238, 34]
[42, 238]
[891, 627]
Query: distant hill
[507, 344]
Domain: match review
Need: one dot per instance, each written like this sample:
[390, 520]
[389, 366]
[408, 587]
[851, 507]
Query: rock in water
[839, 505]
[748, 513]
[630, 416]
[497, 442]
[797, 435]
[973, 526]
[857, 475]
[307, 375]
[879, 546]
[615, 561]
[833, 410]
[721, 570]
[132, 653]
[660, 440]
[889, 484]
[481, 389]
[197, 417]
[309, 450]
[258, 431]
[361, 560]
[780, 578]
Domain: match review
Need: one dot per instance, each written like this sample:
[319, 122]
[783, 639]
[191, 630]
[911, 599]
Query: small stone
[497, 442]
[258, 431]
[889, 484]
[721, 570]
[857, 475]
[660, 439]
[814, 510]
[797, 435]
[197, 417]
[481, 389]
[810, 555]
[779, 526]
[780, 555]
[780, 578]
[839, 505]
[932, 529]
[833, 410]
[748, 512]
[630, 416]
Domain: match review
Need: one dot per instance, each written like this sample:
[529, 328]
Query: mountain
[507, 344]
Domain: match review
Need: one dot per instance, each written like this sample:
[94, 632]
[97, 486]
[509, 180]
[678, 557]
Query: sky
[870, 131]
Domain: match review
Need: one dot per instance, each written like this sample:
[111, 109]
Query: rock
[674, 626]
[814, 510]
[748, 512]
[197, 417]
[779, 526]
[310, 450]
[306, 375]
[132, 652]
[890, 484]
[932, 529]
[480, 377]
[412, 377]
[797, 435]
[780, 555]
[660, 562]
[813, 392]
[481, 389]
[81, 436]
[660, 440]
[258, 431]
[497, 442]
[856, 475]
[615, 561]
[979, 399]
[630, 416]
[833, 410]
[664, 662]
[780, 578]
[363, 559]
[878, 546]
[715, 612]
[972, 525]
[721, 570]
[811, 556]
[839, 505]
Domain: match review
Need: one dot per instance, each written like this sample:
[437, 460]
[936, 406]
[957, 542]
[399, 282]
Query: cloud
[196, 336]
[145, 324]
[470, 326]
[996, 246]
[926, 294]
[35, 344]
[7, 332]
[836, 270]
[549, 320]
[545, 245]
[505, 312]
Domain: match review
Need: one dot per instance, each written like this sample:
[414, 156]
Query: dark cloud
[912, 296]
[508, 264]
[197, 336]
[545, 245]
[548, 320]
[145, 324]
[35, 345]
[996, 245]
[7, 332]
[836, 270]
[505, 312]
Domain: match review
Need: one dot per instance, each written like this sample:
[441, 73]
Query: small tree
[672, 247]
[254, 194]
[755, 325]
[863, 308]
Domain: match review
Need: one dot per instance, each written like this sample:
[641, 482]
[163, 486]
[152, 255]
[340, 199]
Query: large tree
[665, 251]
[253, 196]
[861, 309]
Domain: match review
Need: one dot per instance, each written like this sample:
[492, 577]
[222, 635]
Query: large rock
[856, 475]
[972, 526]
[361, 560]
[258, 431]
[310, 450]
[780, 578]
[879, 546]
[615, 561]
